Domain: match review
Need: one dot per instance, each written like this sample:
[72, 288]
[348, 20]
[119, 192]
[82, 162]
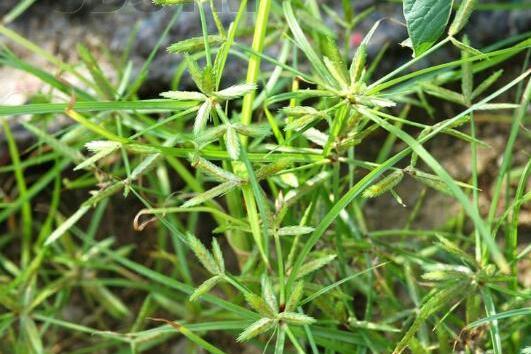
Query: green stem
[205, 32]
[253, 69]
[253, 72]
[280, 263]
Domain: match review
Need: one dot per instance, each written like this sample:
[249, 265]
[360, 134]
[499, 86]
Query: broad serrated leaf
[426, 21]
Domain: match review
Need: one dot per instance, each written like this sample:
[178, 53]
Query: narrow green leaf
[66, 225]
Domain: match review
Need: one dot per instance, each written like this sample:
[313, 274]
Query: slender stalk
[253, 69]
[204, 28]
[253, 72]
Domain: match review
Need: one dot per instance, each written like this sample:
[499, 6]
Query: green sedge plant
[276, 164]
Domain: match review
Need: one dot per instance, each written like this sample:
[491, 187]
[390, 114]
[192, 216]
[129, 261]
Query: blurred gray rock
[59, 25]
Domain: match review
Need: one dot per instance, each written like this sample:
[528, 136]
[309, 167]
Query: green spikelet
[268, 293]
[358, 64]
[259, 305]
[205, 288]
[294, 298]
[218, 255]
[194, 44]
[232, 143]
[213, 170]
[384, 185]
[211, 194]
[297, 319]
[261, 326]
[203, 255]
[273, 168]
